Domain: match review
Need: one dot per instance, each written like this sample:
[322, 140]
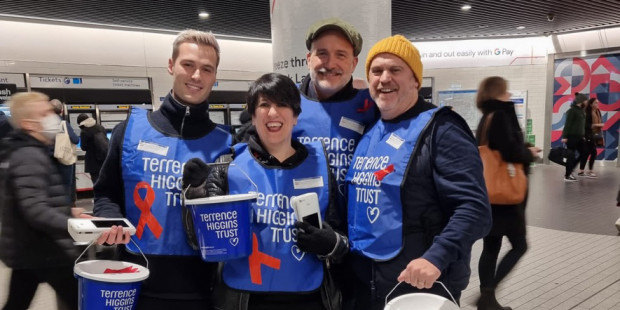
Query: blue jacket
[444, 202]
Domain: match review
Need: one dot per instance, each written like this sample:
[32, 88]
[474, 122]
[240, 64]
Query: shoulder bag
[506, 182]
[64, 151]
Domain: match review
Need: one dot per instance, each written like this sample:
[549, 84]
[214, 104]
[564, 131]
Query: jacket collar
[261, 154]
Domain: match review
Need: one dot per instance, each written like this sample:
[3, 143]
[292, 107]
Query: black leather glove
[311, 239]
[195, 172]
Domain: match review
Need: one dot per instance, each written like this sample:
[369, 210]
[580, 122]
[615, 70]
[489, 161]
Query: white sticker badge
[308, 183]
[154, 148]
[395, 141]
[351, 124]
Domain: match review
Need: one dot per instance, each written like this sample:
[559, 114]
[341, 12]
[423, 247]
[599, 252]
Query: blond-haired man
[35, 242]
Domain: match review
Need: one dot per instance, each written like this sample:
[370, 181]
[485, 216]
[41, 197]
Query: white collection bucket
[103, 287]
[109, 284]
[421, 301]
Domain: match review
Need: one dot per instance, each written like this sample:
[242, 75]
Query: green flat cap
[335, 24]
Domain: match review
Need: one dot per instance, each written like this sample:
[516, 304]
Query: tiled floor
[573, 261]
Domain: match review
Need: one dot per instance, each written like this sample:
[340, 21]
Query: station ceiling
[419, 20]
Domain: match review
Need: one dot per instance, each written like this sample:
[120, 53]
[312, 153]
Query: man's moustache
[331, 71]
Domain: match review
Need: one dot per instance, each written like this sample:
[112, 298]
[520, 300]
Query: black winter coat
[504, 132]
[94, 142]
[35, 207]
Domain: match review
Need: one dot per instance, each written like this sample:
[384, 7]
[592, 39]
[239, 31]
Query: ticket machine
[235, 110]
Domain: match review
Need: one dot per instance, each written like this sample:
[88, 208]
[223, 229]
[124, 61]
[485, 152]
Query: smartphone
[306, 208]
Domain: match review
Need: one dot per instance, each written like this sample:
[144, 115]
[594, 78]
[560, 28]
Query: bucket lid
[420, 301]
[94, 270]
[221, 199]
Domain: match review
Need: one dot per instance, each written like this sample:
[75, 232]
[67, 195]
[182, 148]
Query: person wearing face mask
[35, 206]
[141, 178]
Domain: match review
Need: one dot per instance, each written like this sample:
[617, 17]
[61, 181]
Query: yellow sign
[80, 107]
[217, 106]
[122, 107]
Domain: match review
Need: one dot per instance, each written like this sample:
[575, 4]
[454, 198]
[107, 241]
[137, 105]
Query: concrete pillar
[290, 20]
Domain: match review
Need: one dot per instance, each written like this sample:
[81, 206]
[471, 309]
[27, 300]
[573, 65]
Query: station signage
[6, 90]
[87, 82]
[13, 78]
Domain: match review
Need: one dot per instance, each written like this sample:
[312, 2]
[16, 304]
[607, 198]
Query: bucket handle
[444, 287]
[219, 164]
[93, 242]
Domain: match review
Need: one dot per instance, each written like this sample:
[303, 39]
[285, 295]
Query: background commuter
[573, 134]
[413, 216]
[67, 171]
[5, 125]
[94, 142]
[504, 135]
[273, 159]
[35, 206]
[159, 143]
[593, 138]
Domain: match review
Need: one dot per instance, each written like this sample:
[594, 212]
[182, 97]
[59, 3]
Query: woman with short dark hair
[297, 278]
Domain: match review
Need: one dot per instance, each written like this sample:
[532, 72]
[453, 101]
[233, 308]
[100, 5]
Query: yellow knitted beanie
[401, 47]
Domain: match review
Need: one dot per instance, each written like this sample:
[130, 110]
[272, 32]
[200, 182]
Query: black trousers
[24, 283]
[491, 273]
[589, 150]
[576, 144]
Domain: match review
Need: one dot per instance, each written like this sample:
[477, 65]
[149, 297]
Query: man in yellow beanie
[417, 199]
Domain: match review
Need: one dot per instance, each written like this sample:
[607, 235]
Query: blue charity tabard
[276, 263]
[339, 125]
[152, 166]
[374, 182]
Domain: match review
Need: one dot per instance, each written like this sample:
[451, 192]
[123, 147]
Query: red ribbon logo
[258, 258]
[380, 174]
[146, 217]
[366, 106]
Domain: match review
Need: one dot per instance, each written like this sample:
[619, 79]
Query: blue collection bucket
[101, 290]
[222, 225]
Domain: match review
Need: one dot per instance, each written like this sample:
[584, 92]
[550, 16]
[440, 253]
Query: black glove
[311, 239]
[195, 172]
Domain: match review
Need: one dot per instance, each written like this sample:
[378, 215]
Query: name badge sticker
[395, 141]
[351, 124]
[154, 148]
[308, 183]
